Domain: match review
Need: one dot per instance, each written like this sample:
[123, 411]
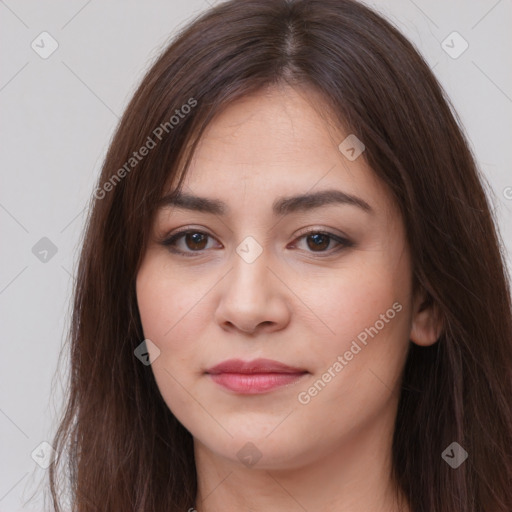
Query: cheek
[355, 299]
[169, 311]
[166, 300]
[366, 317]
[173, 307]
[358, 369]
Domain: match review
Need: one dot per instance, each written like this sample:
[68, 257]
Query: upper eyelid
[307, 231]
[339, 239]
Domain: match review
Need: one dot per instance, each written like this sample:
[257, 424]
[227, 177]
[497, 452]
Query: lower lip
[254, 383]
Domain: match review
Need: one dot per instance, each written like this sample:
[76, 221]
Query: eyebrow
[281, 206]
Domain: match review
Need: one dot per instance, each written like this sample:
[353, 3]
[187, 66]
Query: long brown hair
[123, 448]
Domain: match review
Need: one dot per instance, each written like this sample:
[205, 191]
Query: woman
[291, 294]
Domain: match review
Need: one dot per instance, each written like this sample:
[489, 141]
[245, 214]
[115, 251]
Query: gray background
[58, 115]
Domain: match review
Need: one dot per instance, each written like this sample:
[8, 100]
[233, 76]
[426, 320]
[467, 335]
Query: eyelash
[170, 242]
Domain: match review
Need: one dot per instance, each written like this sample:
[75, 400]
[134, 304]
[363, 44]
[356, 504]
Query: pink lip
[253, 377]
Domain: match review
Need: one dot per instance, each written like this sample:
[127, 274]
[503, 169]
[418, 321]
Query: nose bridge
[250, 295]
[251, 261]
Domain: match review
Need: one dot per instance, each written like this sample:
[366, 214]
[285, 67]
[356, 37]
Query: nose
[253, 298]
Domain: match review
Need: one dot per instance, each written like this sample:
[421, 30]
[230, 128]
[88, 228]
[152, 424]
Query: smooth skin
[302, 301]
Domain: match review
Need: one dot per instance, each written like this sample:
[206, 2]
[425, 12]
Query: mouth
[254, 377]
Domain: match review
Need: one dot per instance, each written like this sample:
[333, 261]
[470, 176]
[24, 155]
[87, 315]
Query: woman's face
[299, 257]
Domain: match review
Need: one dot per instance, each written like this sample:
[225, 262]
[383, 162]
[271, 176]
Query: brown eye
[196, 240]
[318, 241]
[193, 243]
[188, 242]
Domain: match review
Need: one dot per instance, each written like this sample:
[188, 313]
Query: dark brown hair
[123, 448]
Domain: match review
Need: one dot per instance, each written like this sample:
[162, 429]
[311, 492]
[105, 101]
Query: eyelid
[168, 240]
[323, 230]
[341, 240]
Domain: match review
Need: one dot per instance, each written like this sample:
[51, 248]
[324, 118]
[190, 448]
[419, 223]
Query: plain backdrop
[58, 115]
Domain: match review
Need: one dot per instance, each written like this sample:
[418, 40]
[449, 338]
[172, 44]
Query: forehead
[278, 142]
[273, 126]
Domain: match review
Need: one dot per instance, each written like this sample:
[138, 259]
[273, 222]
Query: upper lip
[254, 366]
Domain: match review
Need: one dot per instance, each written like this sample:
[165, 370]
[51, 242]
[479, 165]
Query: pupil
[318, 241]
[196, 238]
